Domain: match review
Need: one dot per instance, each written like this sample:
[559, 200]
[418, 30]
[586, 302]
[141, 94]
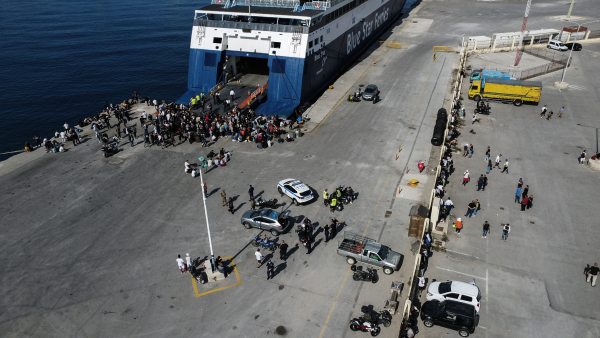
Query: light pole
[571, 52]
[583, 125]
[570, 9]
[212, 254]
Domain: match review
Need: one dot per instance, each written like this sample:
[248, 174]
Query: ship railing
[251, 26]
[261, 3]
[322, 5]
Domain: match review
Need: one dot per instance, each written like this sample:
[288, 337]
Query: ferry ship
[292, 48]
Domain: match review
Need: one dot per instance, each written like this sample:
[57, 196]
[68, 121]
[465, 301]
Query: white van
[558, 45]
[454, 290]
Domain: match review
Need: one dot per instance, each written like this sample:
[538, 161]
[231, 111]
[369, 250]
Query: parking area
[533, 284]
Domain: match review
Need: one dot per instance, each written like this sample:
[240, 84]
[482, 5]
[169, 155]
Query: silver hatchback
[267, 219]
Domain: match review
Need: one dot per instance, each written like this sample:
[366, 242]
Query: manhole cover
[415, 21]
[388, 214]
[501, 208]
[531, 222]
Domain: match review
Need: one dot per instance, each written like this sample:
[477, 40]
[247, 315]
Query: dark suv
[451, 314]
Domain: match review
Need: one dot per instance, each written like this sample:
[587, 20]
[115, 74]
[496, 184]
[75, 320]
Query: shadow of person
[235, 197]
[292, 251]
[213, 191]
[259, 194]
[279, 268]
[316, 244]
[238, 207]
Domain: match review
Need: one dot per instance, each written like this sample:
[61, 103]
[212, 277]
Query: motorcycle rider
[333, 204]
[325, 197]
[350, 193]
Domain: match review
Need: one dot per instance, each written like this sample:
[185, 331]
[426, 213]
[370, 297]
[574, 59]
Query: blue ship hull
[292, 81]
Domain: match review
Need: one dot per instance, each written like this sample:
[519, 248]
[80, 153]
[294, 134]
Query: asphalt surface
[89, 244]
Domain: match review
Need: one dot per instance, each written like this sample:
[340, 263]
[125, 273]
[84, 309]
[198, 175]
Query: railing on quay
[251, 26]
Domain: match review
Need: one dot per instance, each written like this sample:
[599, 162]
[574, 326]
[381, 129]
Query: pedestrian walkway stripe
[219, 289]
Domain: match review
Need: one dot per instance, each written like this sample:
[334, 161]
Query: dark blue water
[61, 60]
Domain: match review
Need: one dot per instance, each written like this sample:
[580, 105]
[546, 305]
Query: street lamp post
[212, 254]
[571, 52]
[583, 125]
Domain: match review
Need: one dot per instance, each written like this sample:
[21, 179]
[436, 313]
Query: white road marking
[460, 253]
[577, 87]
[461, 273]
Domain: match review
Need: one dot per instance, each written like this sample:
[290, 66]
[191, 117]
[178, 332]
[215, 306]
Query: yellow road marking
[348, 272]
[219, 289]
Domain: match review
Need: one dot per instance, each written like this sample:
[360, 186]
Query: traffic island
[216, 281]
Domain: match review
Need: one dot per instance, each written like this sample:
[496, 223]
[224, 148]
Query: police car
[296, 190]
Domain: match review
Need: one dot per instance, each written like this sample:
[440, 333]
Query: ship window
[310, 44]
[327, 18]
[321, 38]
[278, 66]
[275, 44]
[217, 40]
[316, 41]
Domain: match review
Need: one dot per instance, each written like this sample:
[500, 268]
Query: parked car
[453, 315]
[296, 190]
[557, 44]
[455, 290]
[573, 46]
[267, 219]
[370, 93]
[358, 248]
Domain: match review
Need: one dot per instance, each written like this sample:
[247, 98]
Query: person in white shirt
[421, 285]
[180, 263]
[66, 126]
[258, 258]
[187, 166]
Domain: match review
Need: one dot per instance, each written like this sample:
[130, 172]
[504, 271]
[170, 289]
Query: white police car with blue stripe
[296, 190]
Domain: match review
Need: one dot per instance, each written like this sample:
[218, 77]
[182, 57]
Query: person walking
[421, 285]
[283, 251]
[131, 139]
[486, 229]
[333, 228]
[471, 208]
[205, 190]
[582, 157]
[485, 182]
[232, 94]
[489, 166]
[530, 202]
[524, 202]
[592, 274]
[480, 182]
[308, 244]
[498, 161]
[465, 177]
[465, 150]
[518, 195]
[470, 150]
[526, 190]
[230, 204]
[325, 197]
[549, 116]
[258, 256]
[116, 139]
[505, 167]
[333, 203]
[560, 112]
[270, 269]
[505, 231]
[477, 207]
[223, 198]
[458, 225]
[252, 204]
[251, 192]
[180, 264]
[326, 228]
[544, 110]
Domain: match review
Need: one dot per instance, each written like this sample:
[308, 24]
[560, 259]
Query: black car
[573, 46]
[451, 314]
[370, 93]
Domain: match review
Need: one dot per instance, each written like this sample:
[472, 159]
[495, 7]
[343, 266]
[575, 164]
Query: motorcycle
[303, 234]
[353, 98]
[196, 270]
[265, 243]
[384, 317]
[109, 149]
[262, 203]
[369, 276]
[482, 110]
[365, 324]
